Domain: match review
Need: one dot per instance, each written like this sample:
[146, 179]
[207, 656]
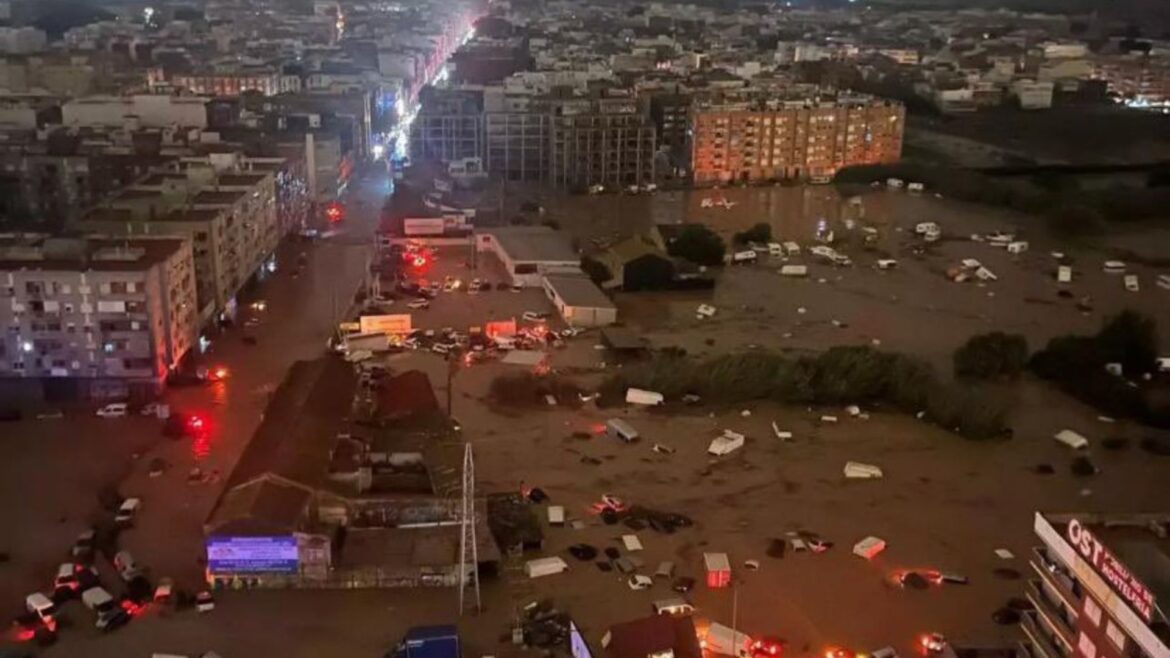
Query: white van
[748, 256]
[113, 410]
[775, 249]
[127, 511]
[791, 249]
[620, 429]
[674, 606]
[42, 605]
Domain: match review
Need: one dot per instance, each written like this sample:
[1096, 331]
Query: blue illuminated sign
[232, 555]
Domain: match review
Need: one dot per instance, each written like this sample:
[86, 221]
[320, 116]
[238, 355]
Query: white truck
[726, 641]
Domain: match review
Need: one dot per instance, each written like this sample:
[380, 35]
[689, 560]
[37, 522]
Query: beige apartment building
[87, 318]
[230, 219]
[793, 140]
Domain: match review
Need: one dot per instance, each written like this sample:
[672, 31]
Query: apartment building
[803, 139]
[610, 143]
[1099, 586]
[230, 218]
[449, 125]
[88, 318]
[234, 83]
[516, 145]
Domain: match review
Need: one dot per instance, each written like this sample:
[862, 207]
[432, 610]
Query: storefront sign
[1124, 584]
[234, 555]
[395, 325]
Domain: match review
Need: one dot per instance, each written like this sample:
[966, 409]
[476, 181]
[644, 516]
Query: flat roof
[534, 243]
[234, 180]
[217, 197]
[579, 291]
[86, 254]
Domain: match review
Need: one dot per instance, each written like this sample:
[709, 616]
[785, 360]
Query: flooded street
[860, 303]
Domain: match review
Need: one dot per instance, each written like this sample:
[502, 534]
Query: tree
[992, 356]
[698, 244]
[596, 270]
[759, 233]
[1131, 339]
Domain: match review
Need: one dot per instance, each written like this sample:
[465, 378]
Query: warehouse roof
[578, 291]
[534, 243]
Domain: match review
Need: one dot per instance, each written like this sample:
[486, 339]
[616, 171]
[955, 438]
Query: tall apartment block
[792, 139]
[229, 217]
[91, 318]
[1099, 587]
[609, 142]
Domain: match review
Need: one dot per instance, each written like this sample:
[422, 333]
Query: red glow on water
[25, 635]
[132, 608]
[334, 212]
[597, 428]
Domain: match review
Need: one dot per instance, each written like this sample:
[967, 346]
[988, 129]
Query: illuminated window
[1086, 647]
[1093, 611]
[1115, 635]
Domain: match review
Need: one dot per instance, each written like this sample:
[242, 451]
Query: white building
[147, 111]
[22, 40]
[529, 253]
[579, 301]
[1033, 95]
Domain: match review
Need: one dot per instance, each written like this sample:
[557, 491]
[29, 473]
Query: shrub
[841, 375]
[759, 233]
[1076, 364]
[698, 244]
[992, 356]
[596, 270]
[1131, 339]
[973, 413]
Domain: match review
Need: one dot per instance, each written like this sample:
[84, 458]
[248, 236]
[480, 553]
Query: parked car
[127, 511]
[41, 606]
[110, 615]
[83, 545]
[204, 601]
[113, 410]
[52, 414]
[419, 305]
[72, 577]
[533, 316]
[127, 568]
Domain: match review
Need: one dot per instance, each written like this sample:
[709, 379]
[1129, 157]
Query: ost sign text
[1124, 583]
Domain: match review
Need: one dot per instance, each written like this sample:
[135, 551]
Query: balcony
[1042, 645]
[1051, 613]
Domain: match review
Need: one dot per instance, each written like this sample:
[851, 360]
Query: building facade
[796, 140]
[96, 318]
[1098, 586]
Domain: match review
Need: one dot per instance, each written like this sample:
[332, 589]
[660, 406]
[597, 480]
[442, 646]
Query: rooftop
[86, 254]
[653, 635]
[579, 291]
[217, 197]
[534, 243]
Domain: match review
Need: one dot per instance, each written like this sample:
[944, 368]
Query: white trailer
[726, 641]
[545, 566]
[639, 396]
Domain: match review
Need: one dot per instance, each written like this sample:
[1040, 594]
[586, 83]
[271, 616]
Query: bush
[596, 270]
[992, 356]
[1076, 364]
[1131, 339]
[759, 233]
[841, 375]
[698, 244]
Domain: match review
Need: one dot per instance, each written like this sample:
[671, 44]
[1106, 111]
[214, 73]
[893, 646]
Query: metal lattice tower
[468, 549]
